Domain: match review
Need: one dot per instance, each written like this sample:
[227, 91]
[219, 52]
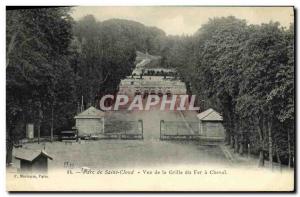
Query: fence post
[125, 133]
[103, 126]
[140, 122]
[160, 128]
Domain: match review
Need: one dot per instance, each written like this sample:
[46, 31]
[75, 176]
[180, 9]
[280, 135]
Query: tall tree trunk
[10, 47]
[9, 149]
[270, 144]
[236, 143]
[38, 125]
[52, 125]
[261, 160]
[241, 148]
[289, 148]
[232, 140]
[236, 135]
[278, 156]
[39, 120]
[242, 138]
[227, 137]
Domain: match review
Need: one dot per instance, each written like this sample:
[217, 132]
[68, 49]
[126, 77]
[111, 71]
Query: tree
[247, 73]
[107, 53]
[37, 50]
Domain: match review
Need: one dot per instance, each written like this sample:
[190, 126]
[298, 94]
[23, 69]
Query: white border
[4, 3]
[153, 2]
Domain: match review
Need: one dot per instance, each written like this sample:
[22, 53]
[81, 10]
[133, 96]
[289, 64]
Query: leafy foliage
[246, 72]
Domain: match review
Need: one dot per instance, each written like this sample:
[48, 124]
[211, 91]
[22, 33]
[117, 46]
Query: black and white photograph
[150, 98]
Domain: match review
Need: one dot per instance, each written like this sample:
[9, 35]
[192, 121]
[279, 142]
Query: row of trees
[106, 53]
[247, 73]
[39, 77]
[54, 61]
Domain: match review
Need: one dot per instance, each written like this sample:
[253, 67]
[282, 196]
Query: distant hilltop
[145, 60]
[147, 55]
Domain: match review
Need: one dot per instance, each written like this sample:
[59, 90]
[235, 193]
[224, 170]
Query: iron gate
[179, 130]
[124, 130]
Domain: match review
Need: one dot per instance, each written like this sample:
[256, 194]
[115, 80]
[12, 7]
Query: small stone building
[210, 124]
[90, 122]
[33, 161]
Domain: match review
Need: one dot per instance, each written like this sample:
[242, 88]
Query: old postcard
[157, 98]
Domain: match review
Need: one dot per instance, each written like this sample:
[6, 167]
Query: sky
[179, 20]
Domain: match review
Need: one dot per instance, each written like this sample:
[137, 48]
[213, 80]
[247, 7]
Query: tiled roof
[210, 115]
[91, 112]
[30, 155]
